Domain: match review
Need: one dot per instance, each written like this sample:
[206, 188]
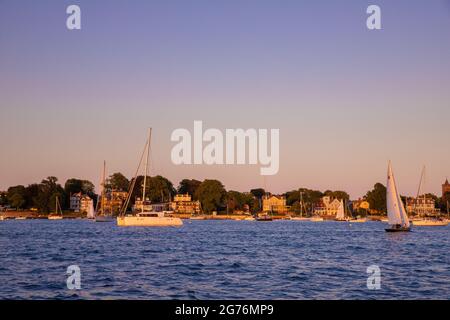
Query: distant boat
[91, 211]
[20, 218]
[197, 217]
[250, 219]
[143, 218]
[264, 217]
[301, 219]
[58, 212]
[430, 222]
[316, 219]
[340, 215]
[398, 219]
[103, 216]
[359, 220]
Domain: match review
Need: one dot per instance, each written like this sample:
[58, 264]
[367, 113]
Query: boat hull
[401, 229]
[55, 218]
[136, 221]
[104, 219]
[429, 223]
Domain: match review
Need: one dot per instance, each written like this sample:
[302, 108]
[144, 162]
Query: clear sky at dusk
[346, 99]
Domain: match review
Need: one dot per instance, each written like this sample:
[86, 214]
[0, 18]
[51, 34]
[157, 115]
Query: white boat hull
[358, 220]
[136, 221]
[430, 223]
[55, 218]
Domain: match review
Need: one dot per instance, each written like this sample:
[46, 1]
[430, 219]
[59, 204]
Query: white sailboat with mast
[397, 217]
[145, 218]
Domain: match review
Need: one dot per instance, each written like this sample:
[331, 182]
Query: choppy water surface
[222, 260]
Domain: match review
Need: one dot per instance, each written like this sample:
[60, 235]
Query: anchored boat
[145, 218]
[397, 217]
[58, 212]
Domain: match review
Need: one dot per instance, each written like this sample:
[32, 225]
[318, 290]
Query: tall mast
[103, 187]
[146, 167]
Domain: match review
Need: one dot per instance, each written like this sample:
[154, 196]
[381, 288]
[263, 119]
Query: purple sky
[346, 99]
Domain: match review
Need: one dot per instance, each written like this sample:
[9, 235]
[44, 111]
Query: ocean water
[222, 260]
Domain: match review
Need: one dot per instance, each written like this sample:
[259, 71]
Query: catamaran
[58, 212]
[397, 217]
[145, 218]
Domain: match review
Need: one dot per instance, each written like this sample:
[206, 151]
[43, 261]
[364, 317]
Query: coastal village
[204, 200]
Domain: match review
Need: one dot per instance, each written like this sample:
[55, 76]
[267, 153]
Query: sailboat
[397, 217]
[103, 216]
[91, 211]
[58, 212]
[145, 218]
[423, 220]
[301, 218]
[340, 215]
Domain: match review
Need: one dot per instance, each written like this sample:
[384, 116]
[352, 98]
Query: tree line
[211, 193]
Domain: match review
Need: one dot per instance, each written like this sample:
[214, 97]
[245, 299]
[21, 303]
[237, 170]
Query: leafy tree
[17, 201]
[189, 186]
[211, 194]
[48, 190]
[118, 182]
[76, 185]
[158, 189]
[31, 192]
[377, 197]
[338, 194]
[17, 196]
[258, 193]
[3, 198]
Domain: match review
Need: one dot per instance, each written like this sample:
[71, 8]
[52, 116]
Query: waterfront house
[275, 204]
[421, 205]
[182, 203]
[80, 202]
[327, 206]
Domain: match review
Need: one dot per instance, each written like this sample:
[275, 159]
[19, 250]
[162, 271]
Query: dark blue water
[222, 260]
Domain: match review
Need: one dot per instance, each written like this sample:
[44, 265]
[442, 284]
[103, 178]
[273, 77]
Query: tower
[445, 188]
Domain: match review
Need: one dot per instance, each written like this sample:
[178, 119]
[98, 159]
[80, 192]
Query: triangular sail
[91, 211]
[395, 208]
[340, 215]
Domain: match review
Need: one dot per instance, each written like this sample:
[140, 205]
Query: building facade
[327, 206]
[360, 204]
[182, 203]
[422, 206]
[276, 204]
[80, 202]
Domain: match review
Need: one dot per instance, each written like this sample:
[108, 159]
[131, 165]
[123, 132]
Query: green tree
[212, 195]
[118, 182]
[338, 194]
[377, 197]
[189, 186]
[48, 190]
[258, 194]
[158, 189]
[17, 201]
[16, 197]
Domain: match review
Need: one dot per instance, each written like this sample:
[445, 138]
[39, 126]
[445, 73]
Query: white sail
[91, 211]
[340, 215]
[395, 209]
[403, 215]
